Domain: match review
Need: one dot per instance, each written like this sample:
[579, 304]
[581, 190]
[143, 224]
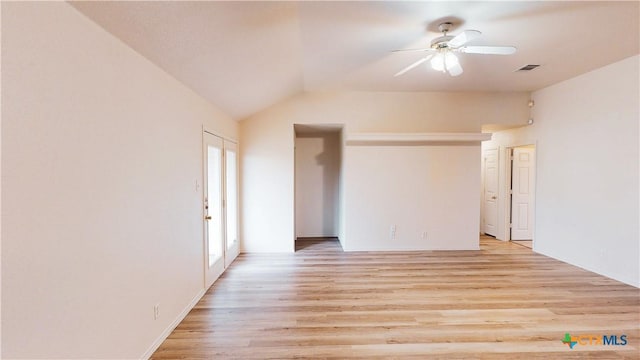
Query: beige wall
[268, 139]
[429, 193]
[586, 137]
[101, 217]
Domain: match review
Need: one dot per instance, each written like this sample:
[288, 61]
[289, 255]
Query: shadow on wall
[329, 161]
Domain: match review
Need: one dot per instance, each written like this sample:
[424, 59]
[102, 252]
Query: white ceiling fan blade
[489, 50]
[464, 38]
[421, 49]
[413, 65]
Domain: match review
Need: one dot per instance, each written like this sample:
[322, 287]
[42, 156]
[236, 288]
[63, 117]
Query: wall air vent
[528, 67]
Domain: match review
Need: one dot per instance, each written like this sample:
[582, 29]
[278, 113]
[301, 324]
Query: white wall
[101, 219]
[267, 144]
[586, 136]
[317, 193]
[432, 189]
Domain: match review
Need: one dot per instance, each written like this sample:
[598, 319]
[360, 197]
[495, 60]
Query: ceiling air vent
[528, 67]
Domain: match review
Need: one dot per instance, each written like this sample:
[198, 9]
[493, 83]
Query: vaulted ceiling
[246, 56]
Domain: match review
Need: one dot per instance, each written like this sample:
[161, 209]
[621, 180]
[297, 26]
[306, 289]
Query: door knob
[208, 217]
[493, 197]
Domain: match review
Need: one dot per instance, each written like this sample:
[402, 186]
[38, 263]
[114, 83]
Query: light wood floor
[503, 301]
[525, 243]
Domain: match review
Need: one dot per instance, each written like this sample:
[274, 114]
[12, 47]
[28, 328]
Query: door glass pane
[231, 198]
[214, 203]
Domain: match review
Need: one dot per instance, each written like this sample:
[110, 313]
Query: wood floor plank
[501, 302]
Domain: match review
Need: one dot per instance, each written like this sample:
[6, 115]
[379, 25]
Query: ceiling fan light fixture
[437, 62]
[452, 64]
[450, 60]
[446, 61]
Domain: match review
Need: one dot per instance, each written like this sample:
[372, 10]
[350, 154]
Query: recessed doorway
[318, 165]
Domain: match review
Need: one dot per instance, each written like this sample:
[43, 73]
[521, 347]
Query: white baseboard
[156, 344]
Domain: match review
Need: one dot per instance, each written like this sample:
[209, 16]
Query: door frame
[508, 158]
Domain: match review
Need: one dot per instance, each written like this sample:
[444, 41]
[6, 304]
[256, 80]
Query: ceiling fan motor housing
[441, 42]
[445, 27]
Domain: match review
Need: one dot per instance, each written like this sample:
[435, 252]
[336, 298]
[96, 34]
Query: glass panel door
[231, 201]
[213, 214]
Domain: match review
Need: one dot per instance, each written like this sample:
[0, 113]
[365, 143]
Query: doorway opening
[316, 244]
[318, 190]
[520, 204]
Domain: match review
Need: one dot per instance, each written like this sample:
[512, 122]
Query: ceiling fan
[443, 49]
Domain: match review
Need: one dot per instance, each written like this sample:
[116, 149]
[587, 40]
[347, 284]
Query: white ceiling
[246, 56]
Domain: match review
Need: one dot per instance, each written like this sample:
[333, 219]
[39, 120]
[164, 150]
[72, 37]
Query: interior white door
[213, 215]
[490, 198]
[231, 202]
[522, 185]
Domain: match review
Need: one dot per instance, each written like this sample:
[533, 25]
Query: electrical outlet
[393, 232]
[424, 235]
[156, 311]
